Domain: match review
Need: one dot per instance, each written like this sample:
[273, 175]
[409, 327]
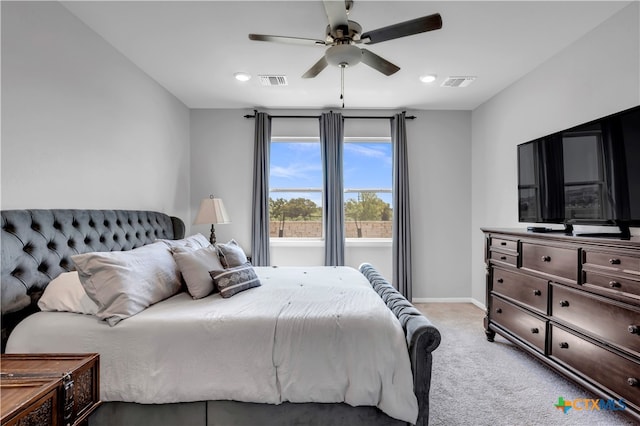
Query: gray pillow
[124, 283]
[231, 254]
[195, 266]
[234, 280]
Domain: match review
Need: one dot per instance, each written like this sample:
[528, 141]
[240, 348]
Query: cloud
[366, 151]
[296, 171]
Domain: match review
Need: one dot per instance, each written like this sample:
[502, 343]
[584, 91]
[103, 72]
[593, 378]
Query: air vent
[273, 80]
[457, 81]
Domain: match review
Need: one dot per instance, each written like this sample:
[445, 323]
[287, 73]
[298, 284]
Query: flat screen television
[586, 175]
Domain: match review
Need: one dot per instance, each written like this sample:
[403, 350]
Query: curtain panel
[331, 141]
[401, 227]
[260, 202]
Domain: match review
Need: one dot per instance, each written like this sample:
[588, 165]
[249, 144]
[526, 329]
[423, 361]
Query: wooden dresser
[49, 389]
[571, 301]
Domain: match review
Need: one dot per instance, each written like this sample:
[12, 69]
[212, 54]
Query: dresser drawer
[612, 284]
[611, 321]
[511, 259]
[615, 262]
[557, 261]
[519, 322]
[528, 290]
[504, 244]
[614, 372]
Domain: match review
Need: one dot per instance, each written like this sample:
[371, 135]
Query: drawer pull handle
[614, 261]
[503, 243]
[503, 257]
[500, 280]
[546, 258]
[632, 381]
[537, 293]
[498, 311]
[535, 330]
[564, 345]
[634, 329]
[564, 303]
[614, 284]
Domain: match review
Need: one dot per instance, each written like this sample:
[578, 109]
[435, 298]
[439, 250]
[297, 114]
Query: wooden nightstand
[49, 389]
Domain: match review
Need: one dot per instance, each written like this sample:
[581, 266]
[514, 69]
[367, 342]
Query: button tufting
[56, 225]
[43, 267]
[51, 245]
[35, 226]
[106, 223]
[102, 239]
[87, 240]
[71, 243]
[91, 223]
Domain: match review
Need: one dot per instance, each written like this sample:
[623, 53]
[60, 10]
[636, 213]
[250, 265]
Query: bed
[293, 349]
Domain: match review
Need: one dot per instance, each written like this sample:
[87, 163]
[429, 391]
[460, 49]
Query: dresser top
[522, 233]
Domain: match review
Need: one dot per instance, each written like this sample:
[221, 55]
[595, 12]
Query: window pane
[295, 181]
[367, 182]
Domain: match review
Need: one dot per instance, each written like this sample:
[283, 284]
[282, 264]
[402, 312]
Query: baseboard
[449, 300]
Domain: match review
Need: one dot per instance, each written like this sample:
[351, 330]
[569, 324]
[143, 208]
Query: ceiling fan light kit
[343, 55]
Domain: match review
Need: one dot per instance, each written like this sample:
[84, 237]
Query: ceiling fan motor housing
[344, 55]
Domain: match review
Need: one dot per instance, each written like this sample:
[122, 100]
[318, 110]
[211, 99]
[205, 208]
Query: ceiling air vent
[273, 80]
[457, 81]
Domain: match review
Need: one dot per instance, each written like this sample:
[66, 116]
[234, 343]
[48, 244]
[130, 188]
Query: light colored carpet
[476, 382]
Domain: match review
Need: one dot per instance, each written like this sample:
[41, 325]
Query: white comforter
[312, 334]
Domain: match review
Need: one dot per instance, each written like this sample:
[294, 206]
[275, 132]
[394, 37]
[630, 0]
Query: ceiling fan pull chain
[342, 84]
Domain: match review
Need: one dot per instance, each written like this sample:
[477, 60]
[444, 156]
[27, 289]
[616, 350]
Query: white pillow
[65, 293]
[195, 266]
[193, 242]
[124, 283]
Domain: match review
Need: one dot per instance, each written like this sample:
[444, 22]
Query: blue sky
[298, 165]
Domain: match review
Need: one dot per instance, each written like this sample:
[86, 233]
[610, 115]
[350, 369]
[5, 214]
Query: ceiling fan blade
[403, 29]
[378, 63]
[316, 68]
[289, 40]
[337, 15]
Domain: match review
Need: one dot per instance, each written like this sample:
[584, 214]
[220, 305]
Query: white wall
[440, 172]
[596, 76]
[82, 127]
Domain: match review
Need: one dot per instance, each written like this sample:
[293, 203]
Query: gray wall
[82, 127]
[596, 76]
[440, 176]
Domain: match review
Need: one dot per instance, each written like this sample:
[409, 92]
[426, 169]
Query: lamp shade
[211, 211]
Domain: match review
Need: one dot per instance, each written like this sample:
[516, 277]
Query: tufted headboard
[37, 246]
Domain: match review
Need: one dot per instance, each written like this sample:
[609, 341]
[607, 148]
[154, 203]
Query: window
[295, 188]
[295, 193]
[367, 187]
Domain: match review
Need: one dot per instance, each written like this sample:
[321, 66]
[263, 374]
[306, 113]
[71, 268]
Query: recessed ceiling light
[242, 76]
[429, 78]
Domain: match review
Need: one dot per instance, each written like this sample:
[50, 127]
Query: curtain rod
[359, 117]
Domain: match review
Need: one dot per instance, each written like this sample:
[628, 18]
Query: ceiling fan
[343, 37]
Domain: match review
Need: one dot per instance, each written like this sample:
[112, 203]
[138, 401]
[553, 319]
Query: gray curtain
[260, 202]
[401, 228]
[331, 135]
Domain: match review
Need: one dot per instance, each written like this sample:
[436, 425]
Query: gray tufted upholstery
[37, 245]
[422, 337]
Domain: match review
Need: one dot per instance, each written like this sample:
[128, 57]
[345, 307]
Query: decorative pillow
[193, 242]
[65, 293]
[195, 266]
[234, 280]
[124, 283]
[231, 254]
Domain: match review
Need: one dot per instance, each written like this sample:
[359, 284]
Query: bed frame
[37, 246]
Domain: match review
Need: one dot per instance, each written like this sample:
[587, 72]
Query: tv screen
[588, 174]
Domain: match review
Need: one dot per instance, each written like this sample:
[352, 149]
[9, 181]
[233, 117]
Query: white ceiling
[193, 48]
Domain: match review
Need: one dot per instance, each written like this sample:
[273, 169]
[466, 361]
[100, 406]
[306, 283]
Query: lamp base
[212, 237]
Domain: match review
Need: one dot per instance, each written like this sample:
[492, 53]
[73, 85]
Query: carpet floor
[476, 382]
